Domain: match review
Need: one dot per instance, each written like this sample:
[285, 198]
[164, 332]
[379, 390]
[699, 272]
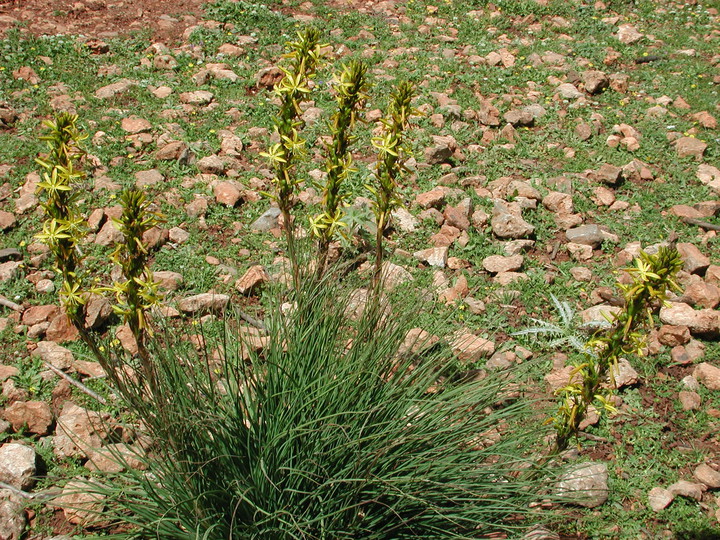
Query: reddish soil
[166, 19]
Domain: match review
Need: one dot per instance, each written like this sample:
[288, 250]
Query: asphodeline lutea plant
[350, 86]
[64, 226]
[304, 56]
[138, 292]
[392, 153]
[652, 277]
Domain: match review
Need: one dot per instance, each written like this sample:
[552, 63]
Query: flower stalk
[304, 57]
[392, 154]
[350, 86]
[652, 277]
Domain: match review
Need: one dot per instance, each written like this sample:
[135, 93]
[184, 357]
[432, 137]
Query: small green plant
[304, 57]
[392, 154]
[350, 87]
[652, 276]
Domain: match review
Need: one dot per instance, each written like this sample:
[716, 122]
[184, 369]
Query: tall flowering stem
[392, 154]
[303, 59]
[138, 292]
[350, 86]
[653, 276]
[63, 228]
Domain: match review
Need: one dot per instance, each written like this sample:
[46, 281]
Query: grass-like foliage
[331, 433]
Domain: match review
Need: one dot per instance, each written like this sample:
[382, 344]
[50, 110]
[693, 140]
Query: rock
[470, 348]
[61, 330]
[519, 118]
[10, 254]
[12, 516]
[690, 147]
[445, 236]
[560, 203]
[81, 502]
[431, 199]
[404, 220]
[659, 499]
[416, 342]
[689, 400]
[439, 153]
[79, 430]
[687, 489]
[109, 235]
[8, 116]
[584, 484]
[39, 314]
[267, 221]
[498, 263]
[601, 313]
[112, 90]
[198, 97]
[609, 174]
[178, 235]
[115, 458]
[595, 81]
[702, 322]
[709, 175]
[9, 270]
[707, 475]
[7, 220]
[708, 375]
[36, 415]
[168, 280]
[18, 465]
[694, 262]
[174, 151]
[623, 374]
[54, 354]
[506, 223]
[628, 34]
[211, 165]
[459, 216]
[254, 279]
[394, 275]
[672, 335]
[135, 124]
[227, 193]
[268, 77]
[127, 339]
[203, 303]
[569, 91]
[97, 311]
[705, 119]
[586, 235]
[433, 256]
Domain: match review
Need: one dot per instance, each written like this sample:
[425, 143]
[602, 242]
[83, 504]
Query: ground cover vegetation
[304, 255]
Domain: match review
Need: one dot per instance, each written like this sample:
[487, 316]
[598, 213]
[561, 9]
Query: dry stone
[585, 484]
[470, 348]
[203, 303]
[659, 499]
[36, 415]
[18, 465]
[54, 354]
[708, 375]
[79, 430]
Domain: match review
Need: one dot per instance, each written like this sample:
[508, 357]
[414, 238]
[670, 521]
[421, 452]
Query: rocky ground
[555, 145]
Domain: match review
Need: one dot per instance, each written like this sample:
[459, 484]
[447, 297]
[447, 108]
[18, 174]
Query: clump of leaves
[350, 86]
[304, 57]
[392, 153]
[330, 432]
